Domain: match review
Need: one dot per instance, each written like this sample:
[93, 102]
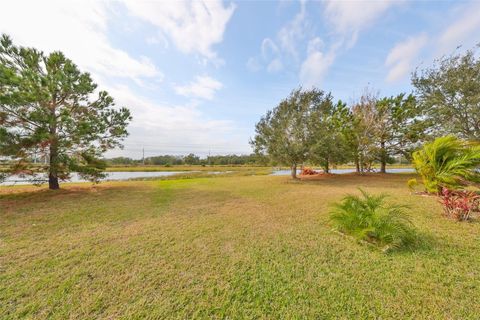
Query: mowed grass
[257, 247]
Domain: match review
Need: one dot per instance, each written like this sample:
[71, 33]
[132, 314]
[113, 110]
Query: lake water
[340, 171]
[111, 176]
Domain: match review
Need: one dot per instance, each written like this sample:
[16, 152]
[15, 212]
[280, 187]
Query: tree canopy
[308, 127]
[284, 133]
[449, 93]
[49, 108]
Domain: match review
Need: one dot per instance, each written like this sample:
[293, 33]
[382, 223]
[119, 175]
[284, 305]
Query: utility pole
[208, 156]
[143, 156]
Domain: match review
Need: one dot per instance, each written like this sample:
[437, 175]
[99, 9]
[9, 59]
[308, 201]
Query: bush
[447, 162]
[459, 204]
[368, 218]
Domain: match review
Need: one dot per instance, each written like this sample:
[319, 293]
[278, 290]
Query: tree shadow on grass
[354, 179]
[422, 243]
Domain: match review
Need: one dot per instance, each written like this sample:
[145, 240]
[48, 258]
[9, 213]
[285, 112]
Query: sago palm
[368, 218]
[447, 162]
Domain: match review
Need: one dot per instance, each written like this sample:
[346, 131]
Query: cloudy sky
[198, 75]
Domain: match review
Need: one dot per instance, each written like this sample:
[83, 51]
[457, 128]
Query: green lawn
[245, 247]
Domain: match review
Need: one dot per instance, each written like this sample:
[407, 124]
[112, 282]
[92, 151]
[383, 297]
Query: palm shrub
[447, 162]
[369, 218]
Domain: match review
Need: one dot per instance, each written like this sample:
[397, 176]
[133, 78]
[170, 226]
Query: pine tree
[47, 107]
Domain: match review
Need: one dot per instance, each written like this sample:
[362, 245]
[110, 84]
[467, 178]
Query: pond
[111, 176]
[341, 171]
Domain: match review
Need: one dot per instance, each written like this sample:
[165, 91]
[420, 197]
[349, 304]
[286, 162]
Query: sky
[198, 75]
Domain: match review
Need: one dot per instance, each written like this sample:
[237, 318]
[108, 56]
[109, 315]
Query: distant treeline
[192, 159]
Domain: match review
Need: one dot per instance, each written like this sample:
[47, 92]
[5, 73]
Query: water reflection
[111, 176]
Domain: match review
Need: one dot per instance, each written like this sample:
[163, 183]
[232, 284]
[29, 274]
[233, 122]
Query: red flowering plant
[460, 204]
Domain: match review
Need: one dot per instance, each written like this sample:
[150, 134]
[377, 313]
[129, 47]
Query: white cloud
[348, 18]
[463, 31]
[284, 46]
[270, 58]
[403, 54]
[316, 44]
[194, 26]
[78, 28]
[316, 64]
[269, 49]
[293, 32]
[275, 65]
[158, 40]
[203, 87]
[176, 129]
[253, 65]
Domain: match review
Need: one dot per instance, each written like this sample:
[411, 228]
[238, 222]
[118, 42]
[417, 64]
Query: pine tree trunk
[53, 165]
[362, 168]
[357, 164]
[53, 172]
[327, 167]
[53, 182]
[383, 158]
[294, 171]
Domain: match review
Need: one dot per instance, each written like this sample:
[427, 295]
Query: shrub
[447, 162]
[459, 204]
[368, 218]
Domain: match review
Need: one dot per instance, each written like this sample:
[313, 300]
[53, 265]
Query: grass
[182, 175]
[243, 247]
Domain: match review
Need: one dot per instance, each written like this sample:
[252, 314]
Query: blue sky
[198, 75]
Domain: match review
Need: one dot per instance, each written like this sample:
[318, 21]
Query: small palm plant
[368, 218]
[447, 162]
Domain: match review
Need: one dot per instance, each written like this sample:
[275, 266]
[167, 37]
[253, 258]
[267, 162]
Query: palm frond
[368, 218]
[447, 162]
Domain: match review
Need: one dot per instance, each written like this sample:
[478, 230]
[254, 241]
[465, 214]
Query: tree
[398, 127]
[450, 94]
[120, 161]
[447, 162]
[165, 160]
[364, 128]
[381, 128]
[328, 144]
[283, 133]
[46, 108]
[191, 159]
[347, 124]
